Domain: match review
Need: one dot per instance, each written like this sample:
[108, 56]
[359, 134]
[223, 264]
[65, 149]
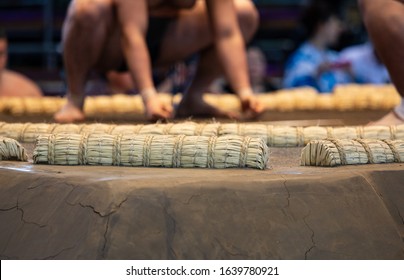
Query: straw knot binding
[367, 149]
[394, 150]
[51, 149]
[177, 151]
[116, 150]
[147, 150]
[340, 150]
[83, 145]
[244, 151]
[211, 151]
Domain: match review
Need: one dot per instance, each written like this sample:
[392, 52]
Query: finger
[168, 108]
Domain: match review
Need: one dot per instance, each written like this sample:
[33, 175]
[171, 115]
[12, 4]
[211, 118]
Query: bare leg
[85, 32]
[384, 20]
[193, 34]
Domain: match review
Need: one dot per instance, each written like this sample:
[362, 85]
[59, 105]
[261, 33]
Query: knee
[88, 13]
[248, 18]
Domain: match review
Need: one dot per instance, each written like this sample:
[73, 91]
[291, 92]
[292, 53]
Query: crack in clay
[25, 221]
[8, 209]
[382, 198]
[118, 206]
[229, 252]
[57, 254]
[98, 213]
[171, 227]
[104, 246]
[34, 182]
[287, 191]
[313, 244]
[191, 198]
[399, 213]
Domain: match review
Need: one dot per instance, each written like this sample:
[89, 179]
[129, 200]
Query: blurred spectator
[314, 63]
[365, 64]
[13, 83]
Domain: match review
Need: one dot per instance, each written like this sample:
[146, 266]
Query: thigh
[187, 33]
[190, 31]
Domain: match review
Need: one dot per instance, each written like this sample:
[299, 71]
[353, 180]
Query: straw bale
[10, 149]
[333, 152]
[152, 150]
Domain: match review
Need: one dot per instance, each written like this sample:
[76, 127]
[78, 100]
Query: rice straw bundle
[347, 132]
[195, 129]
[305, 99]
[33, 105]
[269, 101]
[11, 150]
[286, 102]
[376, 132]
[101, 128]
[51, 105]
[152, 150]
[227, 102]
[95, 105]
[124, 104]
[285, 136]
[344, 97]
[13, 105]
[384, 97]
[252, 130]
[325, 102]
[277, 136]
[127, 129]
[67, 128]
[315, 133]
[15, 131]
[397, 131]
[354, 96]
[333, 152]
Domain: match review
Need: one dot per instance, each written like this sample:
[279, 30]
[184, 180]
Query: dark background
[34, 30]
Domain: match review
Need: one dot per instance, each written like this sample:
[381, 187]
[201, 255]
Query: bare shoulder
[16, 84]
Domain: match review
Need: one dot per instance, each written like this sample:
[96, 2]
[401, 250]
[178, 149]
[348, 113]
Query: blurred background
[34, 32]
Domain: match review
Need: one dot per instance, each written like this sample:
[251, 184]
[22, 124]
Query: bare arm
[133, 20]
[230, 48]
[229, 42]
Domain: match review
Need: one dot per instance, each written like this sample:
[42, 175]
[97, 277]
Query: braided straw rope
[152, 150]
[333, 152]
[11, 150]
[345, 97]
[274, 136]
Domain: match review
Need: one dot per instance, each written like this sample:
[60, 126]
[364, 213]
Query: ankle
[75, 100]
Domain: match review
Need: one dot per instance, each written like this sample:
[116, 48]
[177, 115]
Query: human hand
[156, 110]
[251, 106]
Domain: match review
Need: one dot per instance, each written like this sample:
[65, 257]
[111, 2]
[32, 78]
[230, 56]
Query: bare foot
[200, 109]
[69, 113]
[389, 119]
